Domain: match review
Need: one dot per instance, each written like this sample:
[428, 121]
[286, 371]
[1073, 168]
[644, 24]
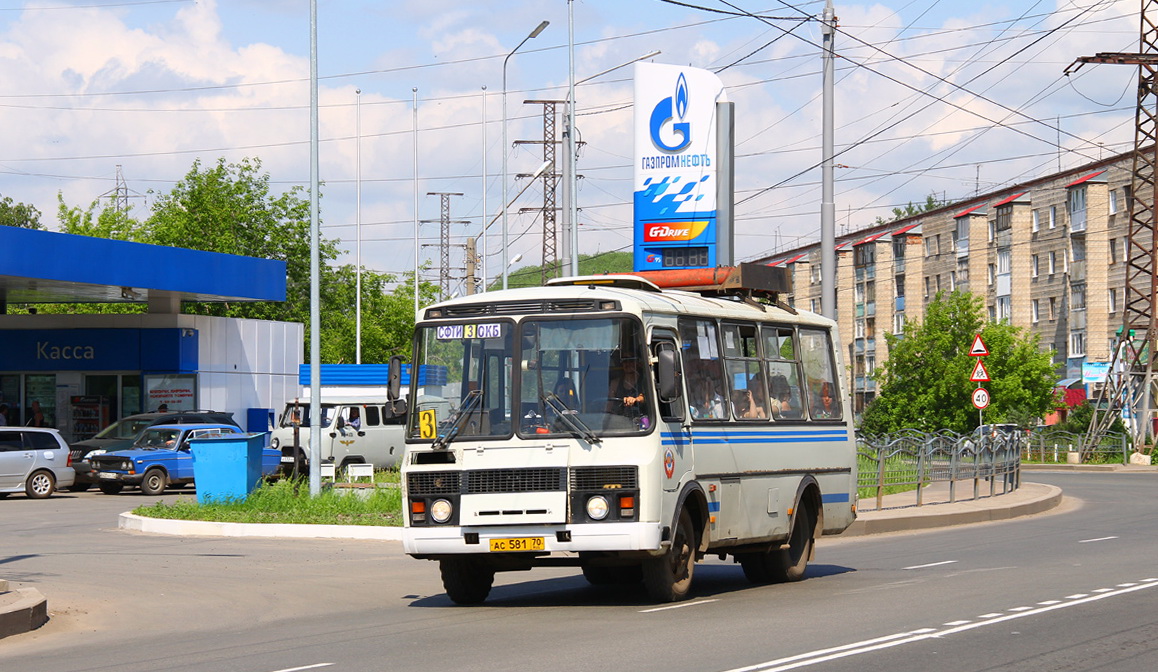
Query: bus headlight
[597, 507]
[275, 443]
[440, 510]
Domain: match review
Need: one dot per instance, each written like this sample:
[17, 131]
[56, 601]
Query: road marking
[1015, 609]
[1126, 585]
[889, 641]
[952, 623]
[931, 564]
[993, 615]
[1049, 602]
[1076, 597]
[1090, 541]
[679, 606]
[305, 667]
[1102, 590]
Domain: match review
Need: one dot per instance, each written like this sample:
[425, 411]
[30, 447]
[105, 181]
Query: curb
[974, 511]
[21, 610]
[200, 528]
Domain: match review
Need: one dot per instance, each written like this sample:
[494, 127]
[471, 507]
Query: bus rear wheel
[780, 564]
[668, 578]
[466, 580]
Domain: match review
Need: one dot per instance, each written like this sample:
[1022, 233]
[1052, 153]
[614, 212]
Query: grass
[288, 501]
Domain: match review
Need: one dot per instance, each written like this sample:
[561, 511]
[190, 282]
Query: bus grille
[515, 480]
[425, 483]
[599, 478]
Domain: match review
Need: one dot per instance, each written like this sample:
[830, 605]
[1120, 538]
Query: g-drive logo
[663, 113]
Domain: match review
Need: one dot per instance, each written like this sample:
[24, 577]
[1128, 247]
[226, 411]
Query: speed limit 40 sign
[980, 398]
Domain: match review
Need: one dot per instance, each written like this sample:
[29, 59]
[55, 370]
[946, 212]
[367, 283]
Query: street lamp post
[358, 222]
[534, 33]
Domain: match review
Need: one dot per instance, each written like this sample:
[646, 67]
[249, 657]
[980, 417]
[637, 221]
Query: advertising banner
[675, 166]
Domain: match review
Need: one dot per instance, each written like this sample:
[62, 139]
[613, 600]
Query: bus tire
[668, 578]
[466, 580]
[783, 563]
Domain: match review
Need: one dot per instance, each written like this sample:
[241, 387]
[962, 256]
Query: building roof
[1009, 199]
[1086, 178]
[971, 211]
[50, 267]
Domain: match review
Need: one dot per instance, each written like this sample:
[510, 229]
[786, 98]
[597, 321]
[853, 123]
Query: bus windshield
[473, 383]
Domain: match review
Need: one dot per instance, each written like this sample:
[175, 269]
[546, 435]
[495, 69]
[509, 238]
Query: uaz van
[354, 431]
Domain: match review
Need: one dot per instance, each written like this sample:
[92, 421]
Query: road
[1070, 590]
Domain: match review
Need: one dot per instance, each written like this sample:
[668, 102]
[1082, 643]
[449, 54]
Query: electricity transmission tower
[444, 222]
[1134, 362]
[550, 183]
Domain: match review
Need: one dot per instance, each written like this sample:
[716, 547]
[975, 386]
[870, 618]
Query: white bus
[605, 423]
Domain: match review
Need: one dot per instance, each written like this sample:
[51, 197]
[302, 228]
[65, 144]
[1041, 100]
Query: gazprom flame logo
[673, 107]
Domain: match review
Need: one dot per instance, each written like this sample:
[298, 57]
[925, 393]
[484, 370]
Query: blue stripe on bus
[834, 498]
[769, 437]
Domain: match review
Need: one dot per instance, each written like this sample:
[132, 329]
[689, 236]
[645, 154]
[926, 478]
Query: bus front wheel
[466, 580]
[668, 578]
[780, 564]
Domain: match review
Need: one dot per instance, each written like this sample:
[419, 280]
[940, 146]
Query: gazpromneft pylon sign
[675, 166]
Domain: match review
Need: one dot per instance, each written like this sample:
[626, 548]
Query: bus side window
[783, 372]
[825, 401]
[702, 369]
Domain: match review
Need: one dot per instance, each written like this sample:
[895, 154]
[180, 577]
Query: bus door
[675, 434]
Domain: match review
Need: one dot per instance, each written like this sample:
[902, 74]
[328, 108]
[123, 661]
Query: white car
[33, 460]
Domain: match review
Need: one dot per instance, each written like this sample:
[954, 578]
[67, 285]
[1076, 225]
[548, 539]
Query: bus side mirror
[394, 378]
[669, 375]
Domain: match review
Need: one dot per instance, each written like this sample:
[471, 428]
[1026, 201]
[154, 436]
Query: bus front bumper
[440, 540]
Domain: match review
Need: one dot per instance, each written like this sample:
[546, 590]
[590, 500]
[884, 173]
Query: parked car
[34, 460]
[122, 433]
[355, 430]
[161, 457]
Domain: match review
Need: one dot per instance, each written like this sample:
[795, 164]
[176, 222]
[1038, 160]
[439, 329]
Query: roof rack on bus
[746, 281]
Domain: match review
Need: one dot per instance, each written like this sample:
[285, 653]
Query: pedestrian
[3, 414]
[36, 416]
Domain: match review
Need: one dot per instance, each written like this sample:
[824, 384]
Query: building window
[952, 281]
[1052, 216]
[1036, 221]
[1113, 250]
[992, 273]
[898, 323]
[928, 284]
[933, 245]
[1004, 261]
[860, 328]
[814, 274]
[1052, 262]
[1004, 308]
[1078, 247]
[1033, 266]
[1035, 310]
[1052, 308]
[812, 306]
[1113, 202]
[1077, 344]
[992, 314]
[1113, 300]
[1078, 297]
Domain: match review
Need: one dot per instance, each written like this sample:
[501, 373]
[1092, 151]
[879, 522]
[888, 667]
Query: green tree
[19, 215]
[98, 222]
[589, 264]
[925, 382]
[931, 203]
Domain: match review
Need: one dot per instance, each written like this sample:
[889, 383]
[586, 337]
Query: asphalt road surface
[1073, 589]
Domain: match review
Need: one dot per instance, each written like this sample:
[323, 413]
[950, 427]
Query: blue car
[161, 458]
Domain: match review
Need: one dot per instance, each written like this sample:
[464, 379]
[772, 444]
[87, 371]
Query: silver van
[34, 460]
[354, 431]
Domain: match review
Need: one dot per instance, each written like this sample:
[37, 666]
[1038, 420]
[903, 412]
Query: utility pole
[444, 222]
[550, 183]
[1130, 382]
[120, 194]
[827, 204]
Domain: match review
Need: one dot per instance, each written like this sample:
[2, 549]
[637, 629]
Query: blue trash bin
[226, 467]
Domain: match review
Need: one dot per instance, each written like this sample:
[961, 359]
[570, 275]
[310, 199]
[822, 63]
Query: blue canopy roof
[50, 267]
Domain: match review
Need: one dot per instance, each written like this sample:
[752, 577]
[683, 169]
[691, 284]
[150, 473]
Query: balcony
[1078, 222]
[1004, 284]
[1078, 270]
[962, 248]
[899, 265]
[900, 304]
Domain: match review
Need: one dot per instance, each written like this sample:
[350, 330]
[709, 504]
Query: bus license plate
[518, 544]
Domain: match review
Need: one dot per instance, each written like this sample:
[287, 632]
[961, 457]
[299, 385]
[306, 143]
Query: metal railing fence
[908, 461]
[1050, 447]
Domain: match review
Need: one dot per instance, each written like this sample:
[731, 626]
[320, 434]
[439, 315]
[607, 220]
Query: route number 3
[427, 424]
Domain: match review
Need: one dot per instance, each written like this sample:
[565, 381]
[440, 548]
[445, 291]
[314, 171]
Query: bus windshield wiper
[570, 418]
[473, 400]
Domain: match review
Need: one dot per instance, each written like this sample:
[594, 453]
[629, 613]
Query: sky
[933, 97]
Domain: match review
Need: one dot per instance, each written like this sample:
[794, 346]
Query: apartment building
[1047, 256]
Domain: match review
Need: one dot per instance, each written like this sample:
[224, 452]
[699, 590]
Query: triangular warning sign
[980, 375]
[978, 348]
